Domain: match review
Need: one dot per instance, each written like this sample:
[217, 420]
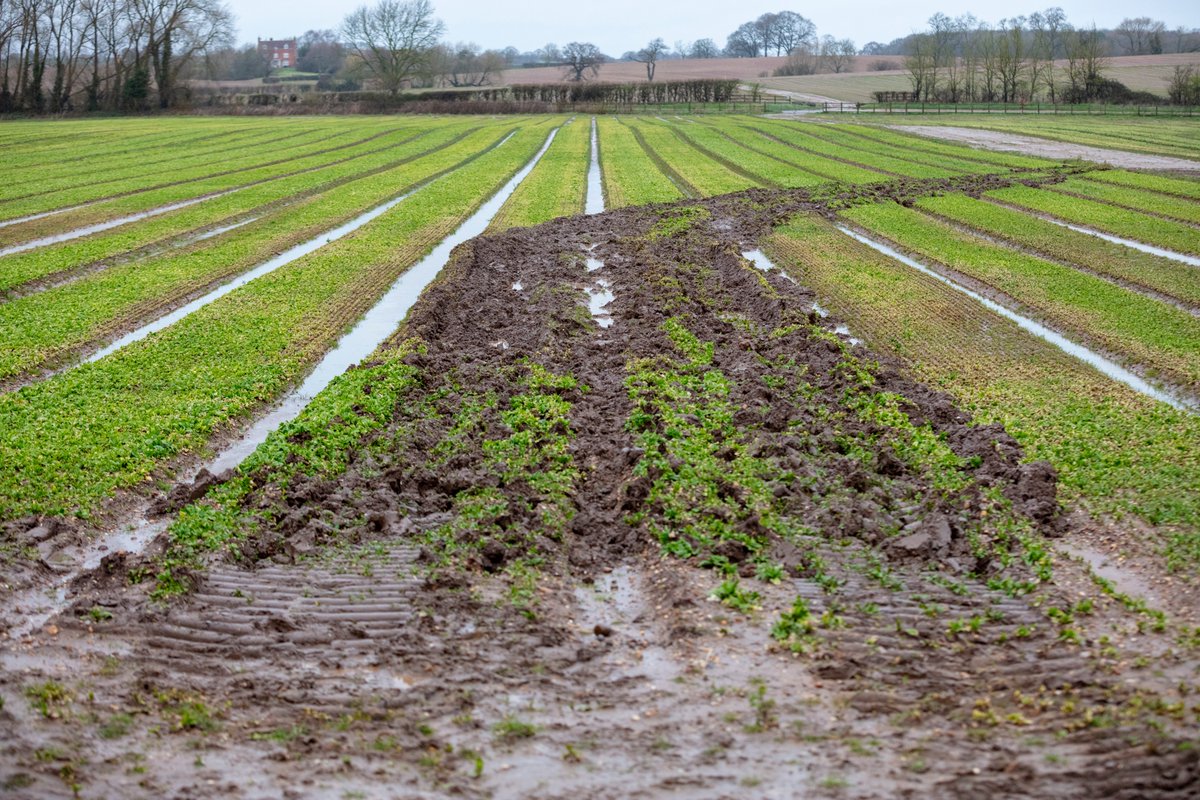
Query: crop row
[1103, 217]
[630, 176]
[557, 186]
[54, 185]
[118, 138]
[160, 232]
[1117, 451]
[1177, 208]
[766, 169]
[1162, 339]
[1179, 187]
[106, 205]
[42, 328]
[700, 174]
[1135, 267]
[69, 442]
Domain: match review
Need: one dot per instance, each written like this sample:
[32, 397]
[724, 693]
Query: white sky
[620, 25]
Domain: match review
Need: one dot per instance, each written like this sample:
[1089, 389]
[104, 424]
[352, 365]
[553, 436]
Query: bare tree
[1141, 35]
[650, 54]
[789, 30]
[582, 59]
[466, 64]
[1085, 64]
[704, 48]
[744, 42]
[919, 62]
[393, 40]
[837, 55]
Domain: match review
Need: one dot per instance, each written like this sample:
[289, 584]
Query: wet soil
[508, 590]
[1047, 148]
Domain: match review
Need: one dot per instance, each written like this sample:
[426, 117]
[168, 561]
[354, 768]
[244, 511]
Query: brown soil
[367, 639]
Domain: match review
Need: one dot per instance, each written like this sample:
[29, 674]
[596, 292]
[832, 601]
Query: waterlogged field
[348, 453]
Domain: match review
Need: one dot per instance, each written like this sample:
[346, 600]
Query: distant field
[1141, 73]
[743, 69]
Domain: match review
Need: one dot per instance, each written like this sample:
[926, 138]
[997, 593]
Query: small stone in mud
[603, 630]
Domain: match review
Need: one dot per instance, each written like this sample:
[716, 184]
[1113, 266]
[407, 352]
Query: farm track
[354, 644]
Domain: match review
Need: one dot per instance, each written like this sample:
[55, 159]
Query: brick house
[278, 52]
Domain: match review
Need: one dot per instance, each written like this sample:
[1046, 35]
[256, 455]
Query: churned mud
[691, 541]
[1047, 148]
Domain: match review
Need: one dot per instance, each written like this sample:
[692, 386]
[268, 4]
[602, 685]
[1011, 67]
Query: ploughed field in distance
[635, 456]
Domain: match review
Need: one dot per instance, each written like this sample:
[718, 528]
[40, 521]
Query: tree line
[964, 59]
[62, 55]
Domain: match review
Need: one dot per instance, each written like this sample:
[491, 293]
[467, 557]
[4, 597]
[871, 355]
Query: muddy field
[643, 523]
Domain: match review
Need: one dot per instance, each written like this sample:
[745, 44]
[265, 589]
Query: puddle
[599, 296]
[1125, 580]
[1145, 248]
[759, 259]
[1104, 365]
[517, 287]
[284, 258]
[37, 606]
[104, 226]
[593, 264]
[376, 325]
[595, 186]
[217, 232]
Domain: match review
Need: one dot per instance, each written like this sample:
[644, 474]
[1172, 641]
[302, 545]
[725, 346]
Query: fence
[1012, 108]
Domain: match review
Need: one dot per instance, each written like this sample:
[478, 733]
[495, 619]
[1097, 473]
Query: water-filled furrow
[595, 187]
[376, 325]
[1105, 365]
[88, 230]
[284, 258]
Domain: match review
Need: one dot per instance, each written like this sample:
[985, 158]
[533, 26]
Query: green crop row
[944, 165]
[707, 176]
[70, 442]
[1179, 187]
[556, 187]
[1103, 217]
[630, 176]
[1116, 451]
[264, 197]
[66, 149]
[778, 144]
[207, 180]
[1160, 274]
[1176, 208]
[915, 145]
[53, 187]
[797, 134]
[763, 168]
[41, 329]
[1160, 338]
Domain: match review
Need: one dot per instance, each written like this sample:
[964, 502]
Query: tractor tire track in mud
[477, 603]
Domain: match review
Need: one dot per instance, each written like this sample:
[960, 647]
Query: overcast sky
[620, 25]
